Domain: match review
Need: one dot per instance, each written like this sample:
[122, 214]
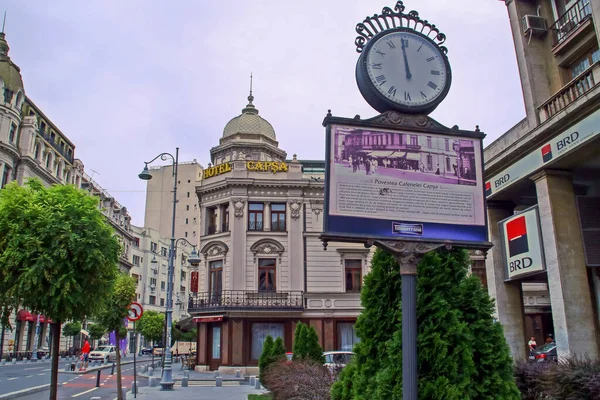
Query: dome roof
[249, 122]
[9, 72]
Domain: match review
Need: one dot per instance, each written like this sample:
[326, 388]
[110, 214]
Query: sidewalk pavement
[237, 392]
[178, 374]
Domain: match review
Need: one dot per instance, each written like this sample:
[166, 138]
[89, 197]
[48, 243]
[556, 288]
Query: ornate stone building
[263, 266]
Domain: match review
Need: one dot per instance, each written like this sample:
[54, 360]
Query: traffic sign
[135, 312]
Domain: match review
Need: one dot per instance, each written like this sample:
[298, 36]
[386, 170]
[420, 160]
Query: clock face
[407, 69]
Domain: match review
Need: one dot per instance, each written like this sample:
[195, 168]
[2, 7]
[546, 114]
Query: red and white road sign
[135, 312]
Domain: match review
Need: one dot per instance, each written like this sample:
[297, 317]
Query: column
[570, 297]
[218, 218]
[267, 216]
[201, 356]
[596, 16]
[508, 295]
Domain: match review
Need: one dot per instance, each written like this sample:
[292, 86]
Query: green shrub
[265, 357]
[299, 349]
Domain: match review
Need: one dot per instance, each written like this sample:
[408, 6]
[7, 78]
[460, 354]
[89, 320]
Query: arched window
[36, 151]
[19, 99]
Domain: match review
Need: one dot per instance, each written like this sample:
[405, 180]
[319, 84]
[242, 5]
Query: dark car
[146, 351]
[544, 353]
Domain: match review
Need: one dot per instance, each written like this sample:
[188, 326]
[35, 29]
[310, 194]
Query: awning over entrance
[379, 153]
[413, 156]
[24, 315]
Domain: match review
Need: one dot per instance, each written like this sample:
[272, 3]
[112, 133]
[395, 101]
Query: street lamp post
[167, 377]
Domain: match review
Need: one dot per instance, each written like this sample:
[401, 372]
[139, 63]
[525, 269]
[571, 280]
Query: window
[162, 302]
[260, 331]
[194, 234]
[429, 142]
[353, 271]
[189, 181]
[448, 166]
[216, 276]
[224, 219]
[152, 300]
[188, 194]
[186, 221]
[153, 281]
[447, 143]
[13, 133]
[255, 216]
[583, 63]
[136, 260]
[187, 208]
[162, 285]
[185, 234]
[183, 275]
[266, 273]
[212, 220]
[136, 242]
[346, 336]
[414, 140]
[4, 179]
[278, 217]
[182, 289]
[163, 251]
[153, 247]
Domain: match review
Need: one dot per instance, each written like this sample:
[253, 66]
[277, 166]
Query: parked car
[104, 353]
[146, 351]
[544, 353]
[337, 359]
[158, 351]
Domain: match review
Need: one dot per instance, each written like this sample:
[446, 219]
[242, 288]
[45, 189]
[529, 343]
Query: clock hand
[408, 74]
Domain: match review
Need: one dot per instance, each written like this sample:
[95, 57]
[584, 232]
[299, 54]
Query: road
[71, 386]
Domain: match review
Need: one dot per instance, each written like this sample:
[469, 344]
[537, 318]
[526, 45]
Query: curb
[24, 392]
[93, 369]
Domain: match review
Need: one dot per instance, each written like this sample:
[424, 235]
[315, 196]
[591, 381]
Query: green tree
[300, 349]
[96, 332]
[71, 330]
[314, 351]
[462, 352]
[114, 311]
[278, 350]
[58, 254]
[151, 327]
[265, 357]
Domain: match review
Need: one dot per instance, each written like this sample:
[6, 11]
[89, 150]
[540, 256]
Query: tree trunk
[119, 382]
[55, 356]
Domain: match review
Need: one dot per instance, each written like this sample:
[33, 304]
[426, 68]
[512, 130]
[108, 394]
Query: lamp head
[145, 174]
[194, 258]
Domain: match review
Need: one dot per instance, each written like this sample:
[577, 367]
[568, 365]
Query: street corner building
[542, 183]
[32, 146]
[263, 266]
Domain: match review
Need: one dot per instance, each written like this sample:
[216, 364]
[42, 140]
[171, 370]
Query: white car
[104, 353]
[337, 359]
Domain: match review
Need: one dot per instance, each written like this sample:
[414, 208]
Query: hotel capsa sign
[255, 166]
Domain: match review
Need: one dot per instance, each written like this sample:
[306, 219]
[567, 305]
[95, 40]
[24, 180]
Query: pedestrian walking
[532, 344]
[85, 352]
[368, 166]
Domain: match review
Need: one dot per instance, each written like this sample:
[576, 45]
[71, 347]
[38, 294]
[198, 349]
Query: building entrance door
[214, 346]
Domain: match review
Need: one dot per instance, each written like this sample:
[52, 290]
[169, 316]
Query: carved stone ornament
[267, 246]
[295, 209]
[214, 249]
[238, 207]
[408, 254]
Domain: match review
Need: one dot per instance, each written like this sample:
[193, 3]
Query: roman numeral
[407, 96]
[392, 91]
[376, 66]
[423, 95]
[435, 72]
[419, 49]
[381, 53]
[392, 45]
[432, 85]
[430, 59]
[380, 79]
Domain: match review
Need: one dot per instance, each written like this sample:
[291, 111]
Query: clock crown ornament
[389, 19]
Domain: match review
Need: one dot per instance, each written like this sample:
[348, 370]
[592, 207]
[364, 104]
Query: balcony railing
[570, 92]
[572, 19]
[55, 145]
[224, 227]
[246, 300]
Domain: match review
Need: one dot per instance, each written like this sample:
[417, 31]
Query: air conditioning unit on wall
[534, 25]
[152, 288]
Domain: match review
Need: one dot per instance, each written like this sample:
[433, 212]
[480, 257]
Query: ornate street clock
[402, 67]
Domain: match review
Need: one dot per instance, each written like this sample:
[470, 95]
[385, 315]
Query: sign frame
[402, 123]
[132, 307]
[505, 256]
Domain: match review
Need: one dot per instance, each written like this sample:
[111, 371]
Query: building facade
[548, 166]
[263, 266]
[32, 146]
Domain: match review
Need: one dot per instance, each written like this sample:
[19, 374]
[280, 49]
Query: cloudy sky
[126, 80]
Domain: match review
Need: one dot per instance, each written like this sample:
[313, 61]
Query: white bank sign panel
[522, 244]
[568, 140]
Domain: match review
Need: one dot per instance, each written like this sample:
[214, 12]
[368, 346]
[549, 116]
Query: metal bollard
[257, 385]
[252, 381]
[67, 367]
[184, 382]
[152, 382]
[14, 360]
[124, 391]
[134, 388]
[112, 371]
[98, 379]
[186, 374]
[219, 381]
[150, 371]
[3, 362]
[217, 374]
[238, 373]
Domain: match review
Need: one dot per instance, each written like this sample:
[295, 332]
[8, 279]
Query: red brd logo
[547, 153]
[488, 189]
[516, 232]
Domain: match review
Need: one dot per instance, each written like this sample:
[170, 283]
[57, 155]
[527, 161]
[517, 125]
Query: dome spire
[250, 109]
